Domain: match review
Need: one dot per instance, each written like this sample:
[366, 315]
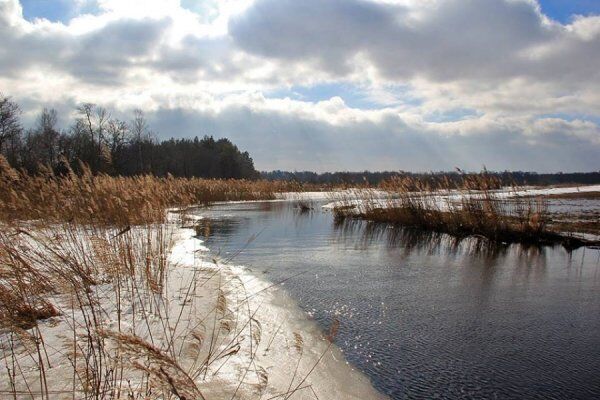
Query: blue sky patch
[454, 115]
[564, 10]
[353, 96]
[572, 117]
[56, 10]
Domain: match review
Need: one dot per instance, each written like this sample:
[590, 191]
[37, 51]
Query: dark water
[424, 316]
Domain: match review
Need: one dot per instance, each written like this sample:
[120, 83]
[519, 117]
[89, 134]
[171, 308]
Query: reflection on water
[370, 233]
[426, 315]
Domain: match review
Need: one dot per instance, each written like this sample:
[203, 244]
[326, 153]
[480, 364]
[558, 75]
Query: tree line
[369, 178]
[119, 147]
[113, 146]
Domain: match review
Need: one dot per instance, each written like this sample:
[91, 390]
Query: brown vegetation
[88, 198]
[443, 182]
[90, 312]
[469, 207]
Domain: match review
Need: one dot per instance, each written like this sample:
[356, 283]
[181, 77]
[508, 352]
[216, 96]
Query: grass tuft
[472, 206]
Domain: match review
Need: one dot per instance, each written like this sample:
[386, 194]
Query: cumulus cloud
[103, 55]
[448, 41]
[492, 82]
[386, 141]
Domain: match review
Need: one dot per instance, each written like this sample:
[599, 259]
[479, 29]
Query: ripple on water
[425, 318]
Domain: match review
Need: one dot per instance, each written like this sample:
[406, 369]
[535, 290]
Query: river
[422, 315]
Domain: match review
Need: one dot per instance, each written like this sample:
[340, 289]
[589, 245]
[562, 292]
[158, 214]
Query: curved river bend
[426, 317]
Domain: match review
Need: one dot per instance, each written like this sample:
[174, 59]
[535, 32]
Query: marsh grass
[82, 278]
[470, 207]
[94, 312]
[91, 306]
[102, 199]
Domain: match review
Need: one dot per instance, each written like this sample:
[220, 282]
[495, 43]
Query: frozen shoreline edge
[282, 321]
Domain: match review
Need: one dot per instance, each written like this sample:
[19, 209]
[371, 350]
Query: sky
[326, 85]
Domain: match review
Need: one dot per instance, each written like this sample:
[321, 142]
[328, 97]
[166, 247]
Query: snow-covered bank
[159, 318]
[280, 347]
[441, 200]
[454, 195]
[533, 191]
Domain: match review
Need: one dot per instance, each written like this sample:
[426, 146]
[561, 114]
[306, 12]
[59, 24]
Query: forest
[129, 147]
[113, 146]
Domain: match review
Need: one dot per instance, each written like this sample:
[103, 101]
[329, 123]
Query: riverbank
[291, 355]
[144, 313]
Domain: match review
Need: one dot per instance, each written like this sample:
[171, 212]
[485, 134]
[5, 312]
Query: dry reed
[471, 206]
[103, 199]
[93, 312]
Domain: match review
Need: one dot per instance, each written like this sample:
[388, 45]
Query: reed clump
[471, 206]
[459, 180]
[103, 199]
[90, 311]
[118, 333]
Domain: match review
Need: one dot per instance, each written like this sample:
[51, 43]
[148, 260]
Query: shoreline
[159, 318]
[291, 345]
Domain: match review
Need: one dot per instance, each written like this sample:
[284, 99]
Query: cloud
[102, 56]
[339, 140]
[444, 83]
[452, 40]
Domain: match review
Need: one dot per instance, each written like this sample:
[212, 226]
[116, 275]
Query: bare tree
[118, 135]
[117, 132]
[102, 118]
[95, 120]
[48, 136]
[41, 144]
[139, 131]
[139, 126]
[86, 111]
[10, 126]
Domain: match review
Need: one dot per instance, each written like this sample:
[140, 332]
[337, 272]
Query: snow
[253, 334]
[441, 200]
[557, 190]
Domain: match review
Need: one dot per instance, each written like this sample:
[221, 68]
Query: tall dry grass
[93, 284]
[90, 305]
[471, 206]
[103, 199]
[443, 182]
[94, 312]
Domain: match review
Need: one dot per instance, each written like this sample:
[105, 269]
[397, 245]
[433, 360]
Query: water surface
[422, 315]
